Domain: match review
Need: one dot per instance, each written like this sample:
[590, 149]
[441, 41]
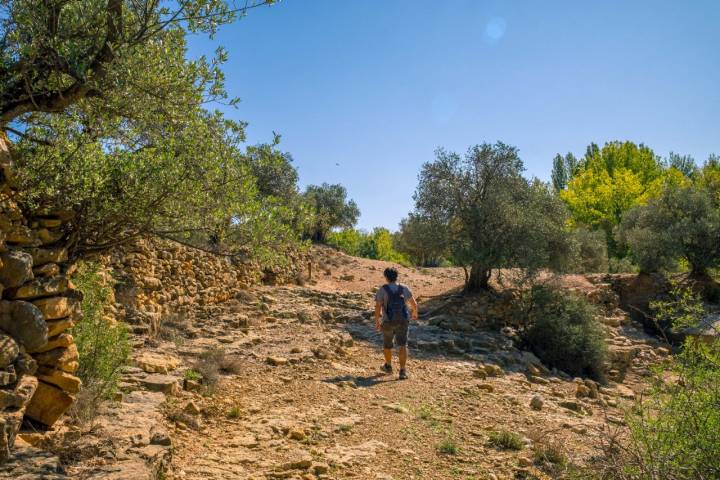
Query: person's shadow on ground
[361, 382]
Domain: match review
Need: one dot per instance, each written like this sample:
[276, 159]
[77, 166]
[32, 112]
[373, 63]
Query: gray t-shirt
[383, 297]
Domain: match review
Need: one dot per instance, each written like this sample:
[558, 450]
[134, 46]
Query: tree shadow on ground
[360, 381]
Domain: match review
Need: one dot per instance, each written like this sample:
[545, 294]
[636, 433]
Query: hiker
[391, 302]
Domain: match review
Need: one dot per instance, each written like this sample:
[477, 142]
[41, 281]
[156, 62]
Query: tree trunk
[478, 279]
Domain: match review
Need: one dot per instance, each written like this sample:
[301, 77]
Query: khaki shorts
[397, 331]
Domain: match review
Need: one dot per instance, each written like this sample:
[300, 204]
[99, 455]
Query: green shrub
[505, 440]
[103, 345]
[592, 250]
[621, 265]
[448, 446]
[674, 429]
[563, 333]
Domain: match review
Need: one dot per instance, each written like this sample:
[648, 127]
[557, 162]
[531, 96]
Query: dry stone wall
[38, 305]
[158, 278]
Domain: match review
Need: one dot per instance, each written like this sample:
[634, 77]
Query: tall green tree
[684, 164]
[331, 209]
[495, 218]
[611, 180]
[563, 170]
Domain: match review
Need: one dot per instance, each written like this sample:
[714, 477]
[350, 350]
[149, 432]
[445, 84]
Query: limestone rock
[61, 340]
[47, 270]
[19, 397]
[57, 307]
[48, 404]
[56, 327]
[22, 235]
[7, 376]
[276, 361]
[161, 383]
[156, 363]
[43, 287]
[64, 380]
[9, 350]
[15, 268]
[63, 358]
[24, 322]
[41, 256]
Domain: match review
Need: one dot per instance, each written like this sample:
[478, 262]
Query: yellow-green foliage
[103, 345]
[377, 245]
[613, 179]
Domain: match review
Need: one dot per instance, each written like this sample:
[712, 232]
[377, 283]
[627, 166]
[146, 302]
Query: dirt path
[308, 399]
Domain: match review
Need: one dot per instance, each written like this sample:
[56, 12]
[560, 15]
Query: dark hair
[391, 274]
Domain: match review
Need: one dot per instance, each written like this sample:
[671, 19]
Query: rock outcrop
[38, 305]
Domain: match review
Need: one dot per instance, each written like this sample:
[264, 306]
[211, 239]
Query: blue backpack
[397, 311]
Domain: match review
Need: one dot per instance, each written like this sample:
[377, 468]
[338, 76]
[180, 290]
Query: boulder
[24, 322]
[48, 404]
[15, 268]
[9, 350]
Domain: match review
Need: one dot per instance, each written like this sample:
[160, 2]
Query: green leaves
[331, 209]
[55, 54]
[494, 218]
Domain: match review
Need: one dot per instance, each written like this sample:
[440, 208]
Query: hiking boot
[403, 375]
[387, 368]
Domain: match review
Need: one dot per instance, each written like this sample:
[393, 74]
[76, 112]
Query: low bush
[674, 430]
[212, 362]
[448, 446]
[563, 332]
[505, 440]
[103, 345]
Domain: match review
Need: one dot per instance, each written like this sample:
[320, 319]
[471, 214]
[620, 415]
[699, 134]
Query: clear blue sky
[377, 85]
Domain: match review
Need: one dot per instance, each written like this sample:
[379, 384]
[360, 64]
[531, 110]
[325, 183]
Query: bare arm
[378, 314]
[414, 307]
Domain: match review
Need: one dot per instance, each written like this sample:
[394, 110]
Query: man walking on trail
[391, 302]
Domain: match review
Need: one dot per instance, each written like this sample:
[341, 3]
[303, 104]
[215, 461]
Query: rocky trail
[301, 396]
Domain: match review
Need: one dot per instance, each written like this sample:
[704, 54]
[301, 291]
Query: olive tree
[493, 216]
[55, 53]
[682, 223]
[331, 209]
[422, 239]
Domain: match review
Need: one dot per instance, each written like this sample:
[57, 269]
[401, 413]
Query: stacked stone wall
[38, 306]
[155, 278]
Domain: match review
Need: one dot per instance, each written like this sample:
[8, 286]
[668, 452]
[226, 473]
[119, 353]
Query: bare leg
[402, 354]
[388, 355]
